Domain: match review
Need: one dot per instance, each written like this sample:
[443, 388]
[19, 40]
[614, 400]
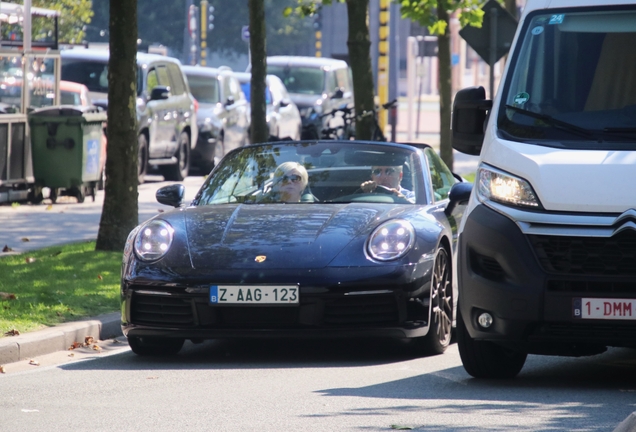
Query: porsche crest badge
[260, 258]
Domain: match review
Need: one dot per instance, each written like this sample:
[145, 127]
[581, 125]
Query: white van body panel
[568, 180]
[564, 180]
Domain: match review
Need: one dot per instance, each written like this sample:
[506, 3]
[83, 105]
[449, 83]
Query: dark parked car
[283, 117]
[282, 240]
[166, 110]
[317, 85]
[223, 117]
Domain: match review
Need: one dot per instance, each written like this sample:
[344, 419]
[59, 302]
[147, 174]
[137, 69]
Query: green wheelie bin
[68, 150]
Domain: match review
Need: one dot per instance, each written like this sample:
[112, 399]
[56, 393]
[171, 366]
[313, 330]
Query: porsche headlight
[154, 240]
[504, 188]
[391, 240]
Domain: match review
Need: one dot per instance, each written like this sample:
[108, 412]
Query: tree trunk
[359, 45]
[444, 72]
[259, 129]
[120, 211]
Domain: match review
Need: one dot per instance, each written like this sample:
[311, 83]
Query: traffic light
[318, 21]
[210, 18]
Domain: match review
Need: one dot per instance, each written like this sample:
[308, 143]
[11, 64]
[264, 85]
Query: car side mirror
[458, 195]
[171, 195]
[229, 101]
[159, 93]
[284, 103]
[470, 112]
[338, 94]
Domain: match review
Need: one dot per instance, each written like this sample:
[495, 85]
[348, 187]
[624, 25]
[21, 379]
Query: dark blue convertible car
[300, 239]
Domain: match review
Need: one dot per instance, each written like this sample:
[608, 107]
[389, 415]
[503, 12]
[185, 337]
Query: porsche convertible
[300, 239]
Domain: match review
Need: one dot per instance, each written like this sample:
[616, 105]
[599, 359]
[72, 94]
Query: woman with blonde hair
[290, 180]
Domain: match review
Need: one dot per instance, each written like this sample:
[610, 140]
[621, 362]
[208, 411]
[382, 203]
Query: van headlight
[154, 240]
[504, 188]
[391, 240]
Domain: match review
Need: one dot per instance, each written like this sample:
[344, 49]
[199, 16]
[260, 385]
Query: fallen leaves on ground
[402, 427]
[49, 207]
[29, 260]
[2, 369]
[7, 296]
[34, 362]
[6, 248]
[25, 239]
[12, 332]
[100, 277]
[75, 345]
[88, 340]
[97, 348]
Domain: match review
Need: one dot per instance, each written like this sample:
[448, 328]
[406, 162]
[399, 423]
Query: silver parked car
[223, 118]
[283, 117]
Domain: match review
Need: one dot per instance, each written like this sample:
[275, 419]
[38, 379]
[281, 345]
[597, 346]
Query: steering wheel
[379, 189]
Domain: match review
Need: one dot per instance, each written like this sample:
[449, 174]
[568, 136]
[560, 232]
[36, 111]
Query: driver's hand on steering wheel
[370, 186]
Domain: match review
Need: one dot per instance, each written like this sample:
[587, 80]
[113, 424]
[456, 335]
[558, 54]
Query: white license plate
[609, 309]
[254, 294]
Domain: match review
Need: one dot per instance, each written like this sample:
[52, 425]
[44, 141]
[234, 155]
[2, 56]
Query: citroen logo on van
[260, 258]
[627, 220]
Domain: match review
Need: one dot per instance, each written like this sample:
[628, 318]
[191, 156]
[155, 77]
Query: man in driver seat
[390, 177]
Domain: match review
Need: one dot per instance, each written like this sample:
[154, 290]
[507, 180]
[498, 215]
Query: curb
[58, 338]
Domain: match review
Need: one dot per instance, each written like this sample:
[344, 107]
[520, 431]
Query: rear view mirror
[470, 111]
[338, 94]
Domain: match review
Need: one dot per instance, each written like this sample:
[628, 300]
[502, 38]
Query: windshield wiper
[560, 124]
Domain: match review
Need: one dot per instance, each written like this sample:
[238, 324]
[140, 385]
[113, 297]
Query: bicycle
[343, 131]
[377, 134]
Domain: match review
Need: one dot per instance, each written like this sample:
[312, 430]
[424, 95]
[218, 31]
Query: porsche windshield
[573, 80]
[327, 172]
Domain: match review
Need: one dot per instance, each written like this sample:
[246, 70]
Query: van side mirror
[159, 93]
[458, 195]
[338, 94]
[230, 101]
[171, 195]
[470, 111]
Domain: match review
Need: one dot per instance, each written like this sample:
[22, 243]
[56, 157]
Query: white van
[547, 256]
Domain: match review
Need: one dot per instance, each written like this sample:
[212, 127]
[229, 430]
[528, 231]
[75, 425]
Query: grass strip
[57, 284]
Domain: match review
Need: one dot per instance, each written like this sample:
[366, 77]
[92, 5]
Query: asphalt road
[316, 386]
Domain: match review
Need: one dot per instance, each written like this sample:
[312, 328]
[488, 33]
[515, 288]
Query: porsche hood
[285, 235]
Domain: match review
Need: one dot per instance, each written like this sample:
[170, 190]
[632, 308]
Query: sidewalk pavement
[58, 338]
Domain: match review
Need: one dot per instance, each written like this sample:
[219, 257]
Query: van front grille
[603, 256]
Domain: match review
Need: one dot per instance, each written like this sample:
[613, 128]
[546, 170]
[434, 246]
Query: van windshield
[573, 80]
[302, 80]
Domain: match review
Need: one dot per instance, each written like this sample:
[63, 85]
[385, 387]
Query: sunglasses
[387, 171]
[291, 178]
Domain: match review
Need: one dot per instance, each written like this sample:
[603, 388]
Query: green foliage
[75, 14]
[424, 13]
[56, 285]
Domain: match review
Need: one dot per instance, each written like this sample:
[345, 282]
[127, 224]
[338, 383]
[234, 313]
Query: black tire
[484, 359]
[142, 155]
[441, 306]
[180, 170]
[79, 193]
[35, 195]
[155, 346]
[53, 195]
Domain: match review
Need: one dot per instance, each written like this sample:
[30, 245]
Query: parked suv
[166, 110]
[316, 85]
[224, 115]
